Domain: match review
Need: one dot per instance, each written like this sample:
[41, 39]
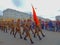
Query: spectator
[50, 24]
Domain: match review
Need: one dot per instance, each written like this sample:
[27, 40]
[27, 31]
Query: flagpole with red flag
[36, 20]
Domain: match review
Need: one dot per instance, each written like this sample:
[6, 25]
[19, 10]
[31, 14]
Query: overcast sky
[44, 8]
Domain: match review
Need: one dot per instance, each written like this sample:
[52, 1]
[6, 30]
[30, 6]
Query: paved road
[51, 38]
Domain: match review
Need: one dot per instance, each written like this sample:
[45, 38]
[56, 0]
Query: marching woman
[5, 26]
[18, 29]
[31, 25]
[38, 29]
[2, 25]
[26, 29]
[12, 26]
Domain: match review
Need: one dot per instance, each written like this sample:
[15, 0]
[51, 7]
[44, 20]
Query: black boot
[13, 33]
[25, 38]
[14, 36]
[31, 41]
[40, 38]
[6, 31]
[20, 36]
[43, 35]
[34, 35]
[10, 32]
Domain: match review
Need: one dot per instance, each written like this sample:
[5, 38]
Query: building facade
[13, 14]
[58, 18]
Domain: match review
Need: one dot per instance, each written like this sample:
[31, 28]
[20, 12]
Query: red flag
[35, 17]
